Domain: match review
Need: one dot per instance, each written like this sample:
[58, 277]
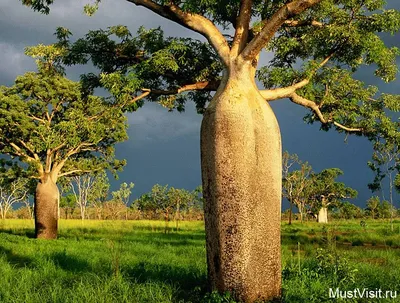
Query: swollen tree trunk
[46, 208]
[241, 173]
[323, 215]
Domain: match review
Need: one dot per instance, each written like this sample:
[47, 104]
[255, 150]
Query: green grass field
[135, 261]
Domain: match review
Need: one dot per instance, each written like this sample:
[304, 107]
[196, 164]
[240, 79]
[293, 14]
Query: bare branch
[242, 27]
[194, 22]
[272, 25]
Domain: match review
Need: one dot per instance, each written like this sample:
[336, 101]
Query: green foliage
[123, 193]
[331, 41]
[68, 201]
[326, 191]
[99, 190]
[47, 123]
[149, 60]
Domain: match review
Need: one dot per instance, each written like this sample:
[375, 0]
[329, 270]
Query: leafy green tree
[317, 47]
[158, 199]
[327, 192]
[122, 195]
[295, 183]
[99, 193]
[348, 210]
[385, 210]
[197, 203]
[68, 203]
[373, 205]
[181, 199]
[386, 164]
[48, 124]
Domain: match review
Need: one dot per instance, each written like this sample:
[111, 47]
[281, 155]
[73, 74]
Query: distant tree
[327, 192]
[68, 203]
[386, 164]
[47, 123]
[295, 183]
[81, 187]
[113, 209]
[122, 195]
[99, 193]
[385, 210]
[317, 46]
[11, 192]
[373, 206]
[348, 210]
[197, 203]
[158, 199]
[180, 198]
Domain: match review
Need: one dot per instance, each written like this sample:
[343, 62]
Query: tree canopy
[48, 124]
[317, 46]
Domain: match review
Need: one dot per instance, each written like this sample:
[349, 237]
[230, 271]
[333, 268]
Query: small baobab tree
[47, 123]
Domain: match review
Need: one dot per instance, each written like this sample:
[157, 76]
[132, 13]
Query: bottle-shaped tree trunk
[323, 215]
[46, 208]
[241, 172]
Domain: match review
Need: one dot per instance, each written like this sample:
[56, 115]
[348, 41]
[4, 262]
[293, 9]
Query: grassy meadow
[136, 261]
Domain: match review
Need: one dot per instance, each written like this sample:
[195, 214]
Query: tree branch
[194, 22]
[206, 86]
[282, 92]
[272, 25]
[20, 153]
[79, 171]
[242, 25]
[35, 155]
[295, 98]
[38, 119]
[296, 23]
[286, 92]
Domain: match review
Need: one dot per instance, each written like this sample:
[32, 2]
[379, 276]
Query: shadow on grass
[191, 285]
[69, 263]
[16, 259]
[25, 232]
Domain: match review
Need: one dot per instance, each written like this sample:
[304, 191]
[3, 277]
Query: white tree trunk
[323, 215]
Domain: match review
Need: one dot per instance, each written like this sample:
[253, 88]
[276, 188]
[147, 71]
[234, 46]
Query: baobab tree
[317, 46]
[48, 124]
[325, 191]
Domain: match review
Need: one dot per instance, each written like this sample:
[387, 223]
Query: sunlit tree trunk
[323, 215]
[46, 208]
[241, 161]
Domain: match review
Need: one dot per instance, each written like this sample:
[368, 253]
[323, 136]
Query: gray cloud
[154, 123]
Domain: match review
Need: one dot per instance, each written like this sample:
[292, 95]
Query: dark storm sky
[163, 147]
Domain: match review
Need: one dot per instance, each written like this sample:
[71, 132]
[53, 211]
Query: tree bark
[323, 215]
[290, 213]
[46, 208]
[241, 162]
